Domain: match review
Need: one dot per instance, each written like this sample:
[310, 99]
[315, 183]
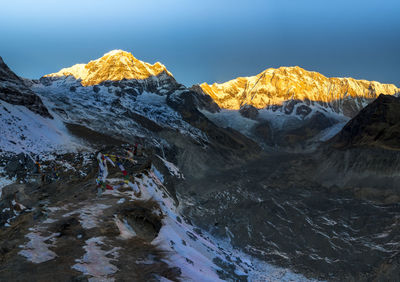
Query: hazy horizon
[206, 42]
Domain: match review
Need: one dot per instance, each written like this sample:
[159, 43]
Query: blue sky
[211, 41]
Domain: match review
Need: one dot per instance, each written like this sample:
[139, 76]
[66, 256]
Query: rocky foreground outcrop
[14, 91]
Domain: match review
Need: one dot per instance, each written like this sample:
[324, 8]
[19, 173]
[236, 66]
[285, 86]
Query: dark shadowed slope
[14, 91]
[377, 125]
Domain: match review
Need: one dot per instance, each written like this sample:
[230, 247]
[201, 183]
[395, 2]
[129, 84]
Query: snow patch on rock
[173, 169]
[126, 231]
[36, 250]
[88, 216]
[97, 262]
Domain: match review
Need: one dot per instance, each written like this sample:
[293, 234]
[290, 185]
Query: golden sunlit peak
[116, 52]
[275, 86]
[114, 65]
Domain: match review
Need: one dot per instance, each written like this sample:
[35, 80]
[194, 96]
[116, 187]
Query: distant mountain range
[275, 107]
[288, 107]
[289, 88]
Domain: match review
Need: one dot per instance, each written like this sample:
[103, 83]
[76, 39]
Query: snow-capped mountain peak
[112, 66]
[273, 87]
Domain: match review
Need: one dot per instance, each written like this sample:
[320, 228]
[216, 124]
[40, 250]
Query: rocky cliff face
[14, 91]
[377, 125]
[365, 153]
[116, 65]
[293, 89]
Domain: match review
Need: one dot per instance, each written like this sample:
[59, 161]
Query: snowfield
[22, 131]
[106, 109]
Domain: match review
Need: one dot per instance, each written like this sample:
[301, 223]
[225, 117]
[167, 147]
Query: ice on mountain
[111, 112]
[23, 131]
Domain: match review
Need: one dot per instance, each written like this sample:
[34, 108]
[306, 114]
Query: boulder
[18, 192]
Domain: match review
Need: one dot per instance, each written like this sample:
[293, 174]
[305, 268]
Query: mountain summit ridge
[273, 87]
[289, 89]
[112, 66]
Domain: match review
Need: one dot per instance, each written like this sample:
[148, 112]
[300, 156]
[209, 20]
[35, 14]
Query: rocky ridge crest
[14, 91]
[273, 88]
[115, 65]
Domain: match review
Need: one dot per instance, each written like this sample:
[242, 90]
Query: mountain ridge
[273, 87]
[375, 126]
[287, 88]
[281, 103]
[113, 66]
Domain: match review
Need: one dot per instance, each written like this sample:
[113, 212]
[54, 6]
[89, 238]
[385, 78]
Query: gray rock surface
[249, 111]
[14, 91]
[18, 165]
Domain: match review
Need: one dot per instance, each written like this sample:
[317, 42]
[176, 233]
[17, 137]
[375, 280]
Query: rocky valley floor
[271, 208]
